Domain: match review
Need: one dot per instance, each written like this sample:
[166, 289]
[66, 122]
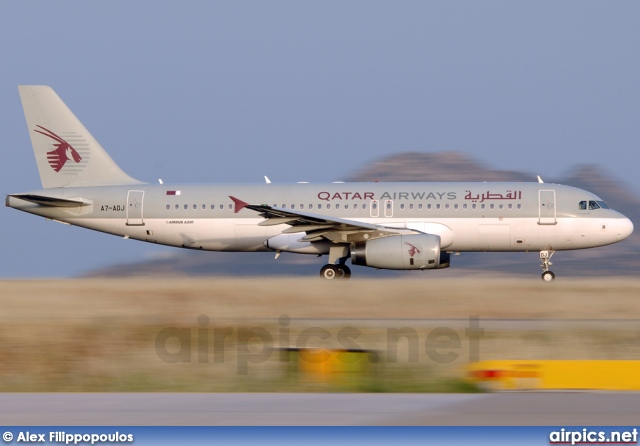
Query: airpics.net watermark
[208, 343]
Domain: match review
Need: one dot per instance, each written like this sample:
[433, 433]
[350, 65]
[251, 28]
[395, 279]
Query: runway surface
[275, 409]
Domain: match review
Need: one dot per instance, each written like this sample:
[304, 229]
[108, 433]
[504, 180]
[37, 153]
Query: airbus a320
[397, 226]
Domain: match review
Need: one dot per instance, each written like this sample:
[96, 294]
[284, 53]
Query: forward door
[547, 207]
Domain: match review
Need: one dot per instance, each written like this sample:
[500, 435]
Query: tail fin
[66, 153]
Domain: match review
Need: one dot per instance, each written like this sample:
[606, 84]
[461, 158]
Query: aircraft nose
[625, 228]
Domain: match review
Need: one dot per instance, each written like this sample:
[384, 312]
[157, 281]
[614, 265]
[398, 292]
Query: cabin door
[134, 208]
[547, 207]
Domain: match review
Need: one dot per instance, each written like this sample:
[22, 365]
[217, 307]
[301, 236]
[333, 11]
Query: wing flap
[307, 228]
[275, 221]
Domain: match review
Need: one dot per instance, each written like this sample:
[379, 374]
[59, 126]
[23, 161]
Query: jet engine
[411, 251]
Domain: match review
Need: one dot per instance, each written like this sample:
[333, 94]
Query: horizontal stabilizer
[53, 201]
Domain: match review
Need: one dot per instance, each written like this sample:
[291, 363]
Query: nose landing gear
[545, 263]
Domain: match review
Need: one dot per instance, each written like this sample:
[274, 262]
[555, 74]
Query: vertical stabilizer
[66, 153]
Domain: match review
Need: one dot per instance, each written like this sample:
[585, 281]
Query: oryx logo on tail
[64, 151]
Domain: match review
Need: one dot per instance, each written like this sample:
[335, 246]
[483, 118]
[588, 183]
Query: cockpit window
[592, 204]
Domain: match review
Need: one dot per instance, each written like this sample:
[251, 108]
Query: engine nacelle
[412, 251]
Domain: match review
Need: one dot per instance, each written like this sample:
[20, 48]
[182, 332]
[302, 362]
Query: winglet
[239, 204]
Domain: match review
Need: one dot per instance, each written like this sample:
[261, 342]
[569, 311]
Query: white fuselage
[380, 225]
[466, 216]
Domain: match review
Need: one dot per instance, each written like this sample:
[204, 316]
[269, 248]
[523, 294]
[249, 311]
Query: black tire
[548, 276]
[346, 271]
[330, 272]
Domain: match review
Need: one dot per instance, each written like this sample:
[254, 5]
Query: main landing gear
[545, 263]
[336, 268]
[339, 271]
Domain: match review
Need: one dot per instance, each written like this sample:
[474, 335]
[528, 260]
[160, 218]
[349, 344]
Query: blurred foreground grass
[226, 335]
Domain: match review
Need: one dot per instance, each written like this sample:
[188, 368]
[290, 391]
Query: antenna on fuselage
[267, 180]
[540, 179]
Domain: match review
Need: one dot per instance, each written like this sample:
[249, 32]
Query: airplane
[396, 226]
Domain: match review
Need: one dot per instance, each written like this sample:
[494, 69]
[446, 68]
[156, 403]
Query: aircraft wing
[317, 226]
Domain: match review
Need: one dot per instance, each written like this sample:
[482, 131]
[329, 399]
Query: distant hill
[440, 166]
[620, 259]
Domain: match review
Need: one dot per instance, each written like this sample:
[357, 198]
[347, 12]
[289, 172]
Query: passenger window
[455, 206]
[337, 205]
[177, 206]
[429, 206]
[213, 206]
[364, 206]
[464, 206]
[355, 205]
[186, 206]
[438, 206]
[195, 206]
[374, 206]
[411, 206]
[402, 206]
[420, 206]
[168, 206]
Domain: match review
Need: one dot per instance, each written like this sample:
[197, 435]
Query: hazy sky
[208, 91]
